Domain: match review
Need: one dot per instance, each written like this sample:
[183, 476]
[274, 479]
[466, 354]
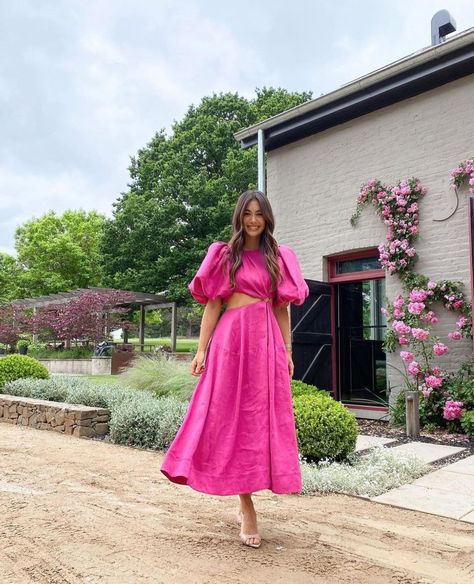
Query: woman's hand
[197, 364]
[291, 367]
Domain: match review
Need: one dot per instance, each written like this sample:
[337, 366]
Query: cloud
[84, 85]
[30, 195]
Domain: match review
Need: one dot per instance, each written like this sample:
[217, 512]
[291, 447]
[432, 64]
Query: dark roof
[424, 70]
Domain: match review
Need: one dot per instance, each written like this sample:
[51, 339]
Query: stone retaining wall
[77, 420]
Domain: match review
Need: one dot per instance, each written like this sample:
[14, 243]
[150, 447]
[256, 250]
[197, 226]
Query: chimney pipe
[442, 24]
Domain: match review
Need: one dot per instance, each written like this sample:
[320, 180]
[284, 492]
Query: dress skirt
[238, 434]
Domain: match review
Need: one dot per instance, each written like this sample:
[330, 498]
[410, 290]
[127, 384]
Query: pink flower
[452, 410]
[383, 310]
[407, 355]
[433, 381]
[403, 341]
[440, 349]
[416, 307]
[436, 370]
[455, 335]
[431, 285]
[426, 391]
[418, 295]
[399, 301]
[457, 305]
[400, 327]
[414, 368]
[461, 321]
[420, 334]
[397, 313]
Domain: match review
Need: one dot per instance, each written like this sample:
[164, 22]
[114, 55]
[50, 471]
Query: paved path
[447, 492]
[78, 511]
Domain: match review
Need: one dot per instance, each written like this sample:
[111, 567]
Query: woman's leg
[249, 517]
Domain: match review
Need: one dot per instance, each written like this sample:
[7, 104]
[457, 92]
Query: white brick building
[411, 118]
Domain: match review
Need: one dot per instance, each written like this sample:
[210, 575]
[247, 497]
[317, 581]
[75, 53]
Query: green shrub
[467, 423]
[300, 388]
[20, 366]
[137, 418]
[48, 389]
[161, 376]
[372, 474]
[146, 421]
[325, 428]
[40, 351]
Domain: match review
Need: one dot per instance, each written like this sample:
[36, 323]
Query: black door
[360, 333]
[312, 337]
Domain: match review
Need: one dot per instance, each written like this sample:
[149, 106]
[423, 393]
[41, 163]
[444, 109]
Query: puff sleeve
[292, 288]
[212, 278]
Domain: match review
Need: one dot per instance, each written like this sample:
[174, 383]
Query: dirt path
[76, 510]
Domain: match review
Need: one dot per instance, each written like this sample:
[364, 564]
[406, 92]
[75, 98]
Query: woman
[238, 435]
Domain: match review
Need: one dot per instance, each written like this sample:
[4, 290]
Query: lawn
[182, 345]
[102, 379]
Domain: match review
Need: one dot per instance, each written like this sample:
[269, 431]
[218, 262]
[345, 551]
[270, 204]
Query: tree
[87, 316]
[10, 278]
[58, 253]
[14, 321]
[182, 192]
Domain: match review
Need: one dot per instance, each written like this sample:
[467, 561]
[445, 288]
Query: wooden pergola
[141, 300]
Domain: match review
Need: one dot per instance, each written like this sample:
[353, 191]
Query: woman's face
[254, 223]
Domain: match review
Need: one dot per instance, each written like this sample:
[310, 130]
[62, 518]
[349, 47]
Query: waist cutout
[241, 299]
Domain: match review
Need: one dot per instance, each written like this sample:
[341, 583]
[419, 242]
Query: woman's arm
[209, 320]
[282, 315]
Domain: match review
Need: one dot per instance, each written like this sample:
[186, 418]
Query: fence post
[413, 414]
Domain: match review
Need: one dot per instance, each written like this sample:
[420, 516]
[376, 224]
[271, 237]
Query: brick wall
[313, 185]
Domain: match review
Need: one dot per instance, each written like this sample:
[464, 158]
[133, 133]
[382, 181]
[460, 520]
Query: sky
[85, 83]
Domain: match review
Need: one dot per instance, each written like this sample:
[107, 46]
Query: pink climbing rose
[420, 334]
[416, 307]
[425, 390]
[440, 349]
[452, 410]
[407, 355]
[433, 381]
[400, 327]
[414, 368]
[418, 295]
[455, 335]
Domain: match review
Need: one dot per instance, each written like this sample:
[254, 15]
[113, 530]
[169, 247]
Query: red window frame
[333, 277]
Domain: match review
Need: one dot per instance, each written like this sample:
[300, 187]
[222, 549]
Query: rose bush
[410, 317]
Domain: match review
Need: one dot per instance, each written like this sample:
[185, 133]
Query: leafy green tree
[58, 253]
[182, 192]
[10, 278]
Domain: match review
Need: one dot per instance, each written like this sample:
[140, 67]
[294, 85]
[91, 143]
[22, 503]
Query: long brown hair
[268, 243]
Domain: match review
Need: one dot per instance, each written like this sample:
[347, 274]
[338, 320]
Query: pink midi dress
[238, 434]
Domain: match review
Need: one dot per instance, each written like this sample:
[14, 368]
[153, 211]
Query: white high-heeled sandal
[245, 536]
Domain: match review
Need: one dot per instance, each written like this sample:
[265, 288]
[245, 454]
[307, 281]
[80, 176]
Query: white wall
[313, 185]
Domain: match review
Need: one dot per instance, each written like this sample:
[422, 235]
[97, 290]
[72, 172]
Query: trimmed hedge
[20, 367]
[300, 388]
[325, 428]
